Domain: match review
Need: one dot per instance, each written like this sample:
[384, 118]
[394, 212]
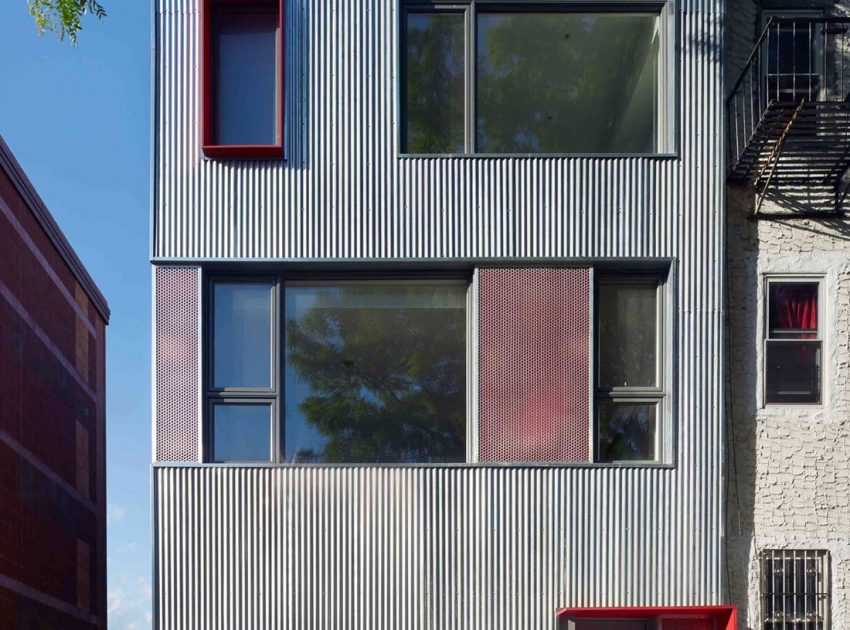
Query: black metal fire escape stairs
[789, 115]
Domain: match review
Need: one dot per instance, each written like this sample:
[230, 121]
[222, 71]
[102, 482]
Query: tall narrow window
[434, 82]
[793, 342]
[242, 379]
[243, 112]
[629, 383]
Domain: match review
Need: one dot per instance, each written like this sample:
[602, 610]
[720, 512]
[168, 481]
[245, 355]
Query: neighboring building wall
[466, 546]
[789, 465]
[52, 421]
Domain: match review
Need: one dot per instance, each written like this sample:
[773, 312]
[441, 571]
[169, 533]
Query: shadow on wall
[746, 237]
[742, 339]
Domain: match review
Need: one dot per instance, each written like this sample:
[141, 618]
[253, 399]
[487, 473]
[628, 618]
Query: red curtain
[796, 307]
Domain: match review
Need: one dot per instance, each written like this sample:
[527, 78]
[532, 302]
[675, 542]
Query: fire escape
[789, 116]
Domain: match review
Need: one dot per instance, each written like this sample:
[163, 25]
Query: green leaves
[63, 17]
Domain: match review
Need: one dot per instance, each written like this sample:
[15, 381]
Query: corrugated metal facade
[440, 547]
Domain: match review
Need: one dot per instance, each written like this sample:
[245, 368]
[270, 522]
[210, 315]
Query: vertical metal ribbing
[459, 548]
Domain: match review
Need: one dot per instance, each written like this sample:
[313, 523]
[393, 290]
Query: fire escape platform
[806, 149]
[788, 118]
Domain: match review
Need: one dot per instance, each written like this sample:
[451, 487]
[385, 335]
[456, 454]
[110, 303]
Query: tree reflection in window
[567, 82]
[376, 372]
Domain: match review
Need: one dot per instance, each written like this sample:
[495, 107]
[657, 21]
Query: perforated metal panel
[176, 363]
[534, 371]
[693, 623]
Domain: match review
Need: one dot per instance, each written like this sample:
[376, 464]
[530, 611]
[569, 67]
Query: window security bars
[794, 590]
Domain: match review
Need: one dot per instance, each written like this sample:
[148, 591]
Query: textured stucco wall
[789, 465]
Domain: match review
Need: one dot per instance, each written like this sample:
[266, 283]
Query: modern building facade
[788, 524]
[438, 323]
[52, 420]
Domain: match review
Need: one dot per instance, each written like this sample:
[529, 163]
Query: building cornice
[39, 210]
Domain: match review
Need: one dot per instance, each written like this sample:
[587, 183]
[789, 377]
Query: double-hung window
[629, 368]
[500, 78]
[242, 78]
[792, 343]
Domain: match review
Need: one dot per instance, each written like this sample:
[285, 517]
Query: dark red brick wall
[50, 510]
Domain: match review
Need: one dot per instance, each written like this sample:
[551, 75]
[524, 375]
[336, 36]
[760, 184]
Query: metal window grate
[794, 590]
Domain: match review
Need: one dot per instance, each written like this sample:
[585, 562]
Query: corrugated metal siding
[344, 193]
[441, 547]
[371, 548]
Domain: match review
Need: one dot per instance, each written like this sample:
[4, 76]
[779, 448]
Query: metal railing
[794, 60]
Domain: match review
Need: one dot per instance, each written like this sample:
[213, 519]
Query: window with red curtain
[793, 342]
[242, 77]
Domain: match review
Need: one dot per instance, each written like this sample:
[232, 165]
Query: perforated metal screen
[176, 363]
[534, 364]
[693, 623]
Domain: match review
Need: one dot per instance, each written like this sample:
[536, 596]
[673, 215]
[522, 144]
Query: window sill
[244, 152]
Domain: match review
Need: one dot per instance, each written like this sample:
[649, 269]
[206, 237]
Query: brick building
[52, 420]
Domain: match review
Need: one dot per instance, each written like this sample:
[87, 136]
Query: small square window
[241, 432]
[242, 78]
[793, 342]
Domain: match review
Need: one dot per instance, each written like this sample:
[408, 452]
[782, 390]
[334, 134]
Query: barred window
[794, 590]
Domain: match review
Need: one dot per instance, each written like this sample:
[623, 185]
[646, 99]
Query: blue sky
[78, 121]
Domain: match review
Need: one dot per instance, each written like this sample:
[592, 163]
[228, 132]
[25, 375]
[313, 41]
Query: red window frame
[725, 617]
[210, 148]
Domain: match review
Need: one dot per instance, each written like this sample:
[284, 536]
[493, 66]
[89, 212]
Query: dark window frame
[240, 395]
[211, 149]
[767, 339]
[276, 394]
[659, 395]
[668, 83]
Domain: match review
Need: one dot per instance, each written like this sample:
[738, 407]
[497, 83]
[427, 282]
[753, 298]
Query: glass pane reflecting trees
[434, 91]
[375, 372]
[567, 83]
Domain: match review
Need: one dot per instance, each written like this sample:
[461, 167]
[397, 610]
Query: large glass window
[243, 78]
[372, 371]
[559, 80]
[629, 383]
[793, 342]
[376, 372]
